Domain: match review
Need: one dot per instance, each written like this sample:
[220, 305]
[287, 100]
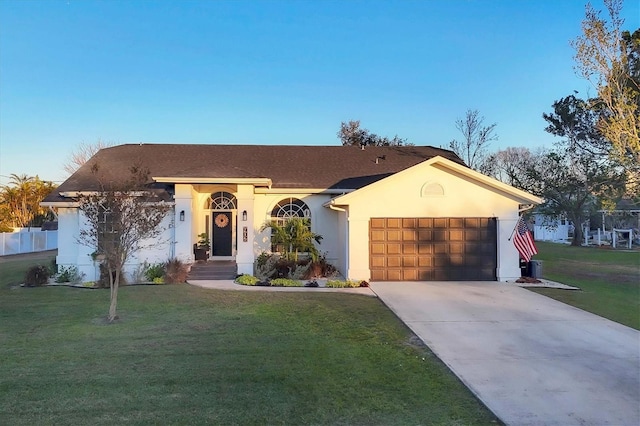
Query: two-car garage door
[433, 249]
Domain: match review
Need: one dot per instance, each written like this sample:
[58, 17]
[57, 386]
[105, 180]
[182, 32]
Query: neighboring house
[625, 216]
[386, 213]
[547, 228]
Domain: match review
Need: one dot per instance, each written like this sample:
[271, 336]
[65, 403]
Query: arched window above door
[221, 201]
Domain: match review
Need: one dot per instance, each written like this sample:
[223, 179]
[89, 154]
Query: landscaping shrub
[53, 267]
[346, 284]
[36, 276]
[69, 275]
[272, 266]
[154, 271]
[245, 279]
[300, 272]
[266, 267]
[285, 282]
[262, 258]
[175, 271]
[326, 268]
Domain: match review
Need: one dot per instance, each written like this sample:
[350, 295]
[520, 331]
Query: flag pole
[514, 228]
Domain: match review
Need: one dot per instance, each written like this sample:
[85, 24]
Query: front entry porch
[213, 270]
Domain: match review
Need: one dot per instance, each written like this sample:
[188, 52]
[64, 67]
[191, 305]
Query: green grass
[14, 267]
[609, 280]
[186, 355]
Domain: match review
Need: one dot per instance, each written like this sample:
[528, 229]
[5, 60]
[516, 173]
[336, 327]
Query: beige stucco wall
[323, 221]
[415, 193]
[192, 199]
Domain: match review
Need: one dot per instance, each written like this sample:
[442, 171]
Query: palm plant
[294, 236]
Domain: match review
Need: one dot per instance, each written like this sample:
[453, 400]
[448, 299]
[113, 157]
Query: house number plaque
[245, 234]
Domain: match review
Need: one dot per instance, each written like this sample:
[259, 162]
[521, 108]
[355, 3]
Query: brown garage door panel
[433, 249]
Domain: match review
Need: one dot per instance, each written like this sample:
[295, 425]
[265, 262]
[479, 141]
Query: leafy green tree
[608, 58]
[294, 236]
[20, 202]
[576, 176]
[572, 185]
[351, 134]
[121, 217]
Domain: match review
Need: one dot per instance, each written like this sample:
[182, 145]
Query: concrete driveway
[530, 359]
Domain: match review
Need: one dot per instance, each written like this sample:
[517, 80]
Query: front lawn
[13, 267]
[186, 355]
[609, 279]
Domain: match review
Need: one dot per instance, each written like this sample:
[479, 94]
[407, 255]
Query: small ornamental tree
[120, 217]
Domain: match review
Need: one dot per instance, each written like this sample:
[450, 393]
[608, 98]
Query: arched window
[288, 208]
[221, 201]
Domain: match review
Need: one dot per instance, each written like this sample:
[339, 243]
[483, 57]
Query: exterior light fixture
[244, 215]
[182, 216]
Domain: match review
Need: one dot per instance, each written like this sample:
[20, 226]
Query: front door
[222, 234]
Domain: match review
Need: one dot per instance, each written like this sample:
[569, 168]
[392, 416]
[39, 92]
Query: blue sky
[276, 72]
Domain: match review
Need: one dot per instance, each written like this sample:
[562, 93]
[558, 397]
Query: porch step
[213, 270]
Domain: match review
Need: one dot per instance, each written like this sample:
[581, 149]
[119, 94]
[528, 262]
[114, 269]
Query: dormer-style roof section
[276, 166]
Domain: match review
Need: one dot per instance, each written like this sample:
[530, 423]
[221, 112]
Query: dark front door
[222, 234]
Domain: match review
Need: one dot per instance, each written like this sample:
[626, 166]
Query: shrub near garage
[346, 284]
[245, 279]
[285, 282]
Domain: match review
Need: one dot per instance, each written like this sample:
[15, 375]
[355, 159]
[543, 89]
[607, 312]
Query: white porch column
[246, 229]
[183, 236]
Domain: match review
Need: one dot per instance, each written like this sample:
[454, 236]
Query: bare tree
[608, 58]
[510, 166]
[473, 149]
[82, 153]
[120, 218]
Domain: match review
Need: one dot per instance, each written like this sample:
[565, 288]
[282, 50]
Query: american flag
[523, 240]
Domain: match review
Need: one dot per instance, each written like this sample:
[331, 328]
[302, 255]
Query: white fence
[27, 242]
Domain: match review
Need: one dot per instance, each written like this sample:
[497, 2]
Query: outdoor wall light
[182, 216]
[244, 215]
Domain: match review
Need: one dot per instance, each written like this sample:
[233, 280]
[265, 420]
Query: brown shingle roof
[288, 166]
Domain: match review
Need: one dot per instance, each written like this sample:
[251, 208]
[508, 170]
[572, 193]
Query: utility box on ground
[535, 269]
